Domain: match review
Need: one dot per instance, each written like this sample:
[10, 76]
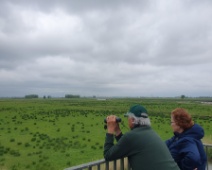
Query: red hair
[182, 118]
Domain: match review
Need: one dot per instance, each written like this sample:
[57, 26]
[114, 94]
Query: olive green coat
[143, 147]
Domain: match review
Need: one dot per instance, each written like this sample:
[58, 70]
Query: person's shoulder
[130, 133]
[127, 136]
[186, 141]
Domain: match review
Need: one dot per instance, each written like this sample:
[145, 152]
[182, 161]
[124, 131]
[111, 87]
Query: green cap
[138, 111]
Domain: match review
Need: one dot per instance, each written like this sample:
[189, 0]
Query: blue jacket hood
[196, 132]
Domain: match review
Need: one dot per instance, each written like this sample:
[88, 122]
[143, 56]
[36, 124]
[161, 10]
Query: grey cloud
[137, 48]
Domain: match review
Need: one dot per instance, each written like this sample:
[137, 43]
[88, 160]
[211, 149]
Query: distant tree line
[72, 96]
[47, 97]
[31, 96]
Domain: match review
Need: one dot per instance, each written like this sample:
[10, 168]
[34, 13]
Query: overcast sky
[153, 48]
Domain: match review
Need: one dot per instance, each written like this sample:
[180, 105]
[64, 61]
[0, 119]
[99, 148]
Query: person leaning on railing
[186, 146]
[143, 147]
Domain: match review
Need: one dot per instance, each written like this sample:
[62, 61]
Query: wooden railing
[121, 164]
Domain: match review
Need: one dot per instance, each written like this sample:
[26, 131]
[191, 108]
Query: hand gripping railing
[121, 164]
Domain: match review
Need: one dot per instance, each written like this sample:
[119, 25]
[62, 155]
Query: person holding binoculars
[143, 147]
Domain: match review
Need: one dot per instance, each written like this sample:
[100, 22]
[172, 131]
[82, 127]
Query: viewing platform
[123, 164]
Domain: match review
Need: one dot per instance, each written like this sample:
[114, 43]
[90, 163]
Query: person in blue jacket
[186, 146]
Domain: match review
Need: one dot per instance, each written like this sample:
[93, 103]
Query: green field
[43, 134]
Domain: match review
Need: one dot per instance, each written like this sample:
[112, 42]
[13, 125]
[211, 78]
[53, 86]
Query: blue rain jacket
[187, 149]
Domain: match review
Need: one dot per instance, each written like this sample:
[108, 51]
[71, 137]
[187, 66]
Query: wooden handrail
[121, 164]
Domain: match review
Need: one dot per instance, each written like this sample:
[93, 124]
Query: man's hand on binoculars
[113, 125]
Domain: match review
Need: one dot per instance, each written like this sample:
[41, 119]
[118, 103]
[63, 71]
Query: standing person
[185, 146]
[143, 147]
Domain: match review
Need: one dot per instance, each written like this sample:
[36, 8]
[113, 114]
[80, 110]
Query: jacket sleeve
[189, 154]
[118, 137]
[169, 141]
[117, 151]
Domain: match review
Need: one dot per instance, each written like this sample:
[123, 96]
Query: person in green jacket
[143, 147]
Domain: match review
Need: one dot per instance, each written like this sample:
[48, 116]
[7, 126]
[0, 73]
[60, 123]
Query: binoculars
[117, 120]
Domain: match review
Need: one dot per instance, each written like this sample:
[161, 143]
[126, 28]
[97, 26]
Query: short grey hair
[140, 120]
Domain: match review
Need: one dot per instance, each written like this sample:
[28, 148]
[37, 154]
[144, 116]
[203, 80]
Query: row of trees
[34, 96]
[31, 96]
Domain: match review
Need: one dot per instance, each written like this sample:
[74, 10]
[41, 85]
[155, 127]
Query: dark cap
[138, 111]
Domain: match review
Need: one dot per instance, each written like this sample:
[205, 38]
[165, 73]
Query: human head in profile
[143, 147]
[185, 146]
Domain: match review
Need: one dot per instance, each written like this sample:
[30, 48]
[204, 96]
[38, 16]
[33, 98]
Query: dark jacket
[143, 147]
[187, 149]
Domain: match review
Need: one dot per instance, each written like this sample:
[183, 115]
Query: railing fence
[122, 164]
